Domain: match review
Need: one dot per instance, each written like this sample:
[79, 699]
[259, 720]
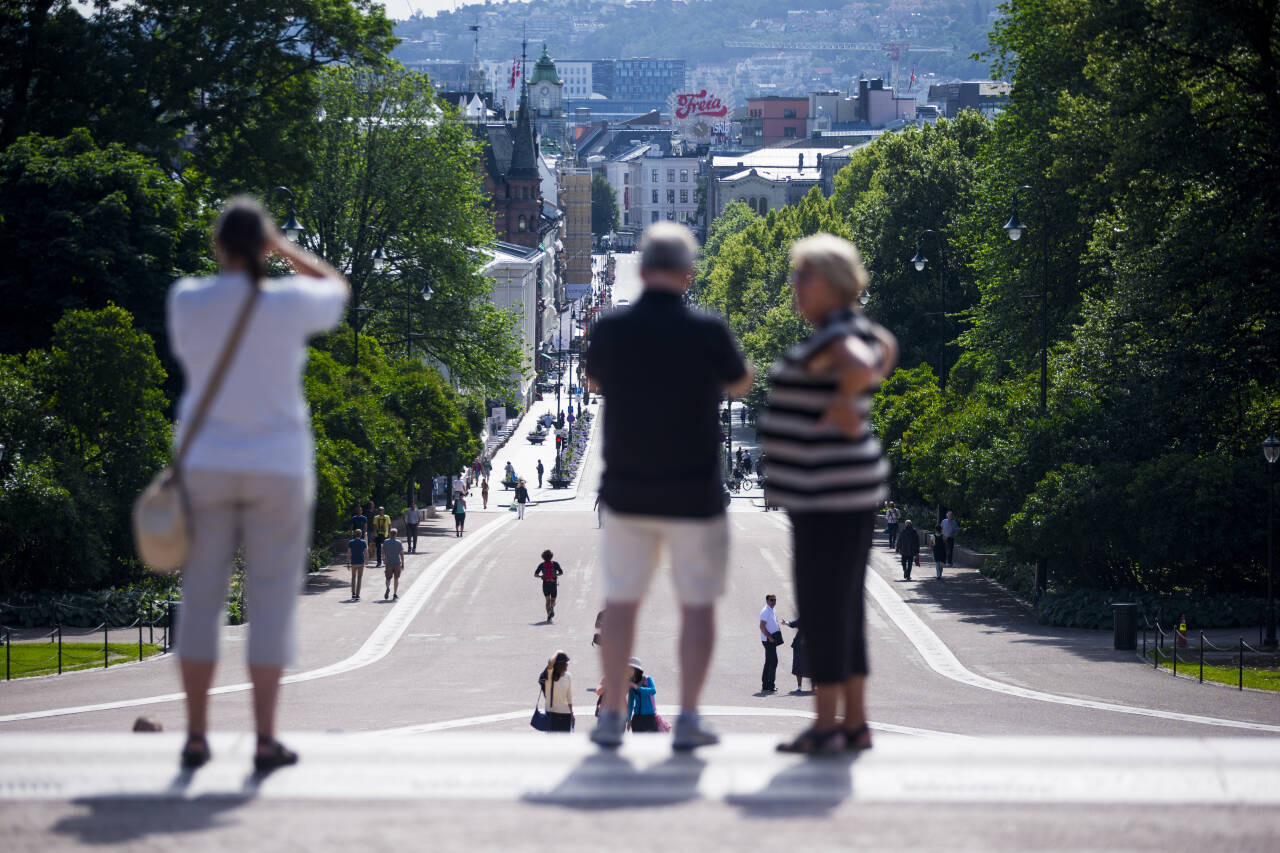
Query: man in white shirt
[412, 518]
[770, 634]
[949, 531]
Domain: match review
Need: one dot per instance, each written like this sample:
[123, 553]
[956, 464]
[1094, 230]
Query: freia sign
[699, 105]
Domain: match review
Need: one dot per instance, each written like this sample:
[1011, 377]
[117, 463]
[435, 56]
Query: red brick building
[511, 179]
[782, 118]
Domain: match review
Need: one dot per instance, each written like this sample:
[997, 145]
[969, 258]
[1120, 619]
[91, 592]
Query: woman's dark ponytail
[241, 233]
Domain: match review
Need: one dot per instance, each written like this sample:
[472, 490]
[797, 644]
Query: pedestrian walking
[393, 552]
[799, 655]
[247, 442]
[459, 486]
[892, 515]
[949, 530]
[642, 710]
[487, 465]
[557, 692]
[359, 521]
[540, 470]
[357, 552]
[412, 518]
[459, 514]
[908, 548]
[509, 474]
[484, 493]
[381, 527]
[827, 470]
[521, 498]
[770, 638]
[369, 513]
[690, 361]
[549, 572]
[939, 550]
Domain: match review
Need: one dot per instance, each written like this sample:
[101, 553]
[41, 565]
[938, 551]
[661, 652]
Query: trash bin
[1126, 626]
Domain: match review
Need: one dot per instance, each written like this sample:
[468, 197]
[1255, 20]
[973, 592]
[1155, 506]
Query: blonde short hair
[836, 260]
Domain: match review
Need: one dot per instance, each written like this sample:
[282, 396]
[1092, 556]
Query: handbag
[162, 514]
[917, 558]
[539, 720]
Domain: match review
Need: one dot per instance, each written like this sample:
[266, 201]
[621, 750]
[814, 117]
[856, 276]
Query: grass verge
[1260, 679]
[28, 659]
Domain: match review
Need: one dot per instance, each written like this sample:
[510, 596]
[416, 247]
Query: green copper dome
[545, 69]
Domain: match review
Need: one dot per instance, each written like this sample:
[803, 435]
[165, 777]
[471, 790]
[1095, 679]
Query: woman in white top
[557, 690]
[252, 459]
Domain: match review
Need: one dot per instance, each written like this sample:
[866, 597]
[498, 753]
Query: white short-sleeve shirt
[770, 620]
[259, 420]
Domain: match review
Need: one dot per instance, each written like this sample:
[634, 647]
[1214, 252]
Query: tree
[92, 432]
[604, 206]
[85, 226]
[397, 170]
[235, 78]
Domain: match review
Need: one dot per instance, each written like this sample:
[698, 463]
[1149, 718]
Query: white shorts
[633, 544]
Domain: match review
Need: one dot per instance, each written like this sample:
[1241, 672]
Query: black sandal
[814, 742]
[276, 756]
[859, 739]
[196, 752]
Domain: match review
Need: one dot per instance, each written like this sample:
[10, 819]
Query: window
[653, 216]
[626, 179]
[789, 132]
[626, 219]
[788, 113]
[762, 205]
[671, 176]
[684, 176]
[655, 176]
[684, 196]
[655, 196]
[671, 216]
[671, 196]
[521, 225]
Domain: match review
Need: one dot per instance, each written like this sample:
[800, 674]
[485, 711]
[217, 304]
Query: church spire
[524, 161]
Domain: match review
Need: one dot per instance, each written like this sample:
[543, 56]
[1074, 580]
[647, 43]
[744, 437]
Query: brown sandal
[814, 742]
[276, 756]
[859, 739]
[196, 752]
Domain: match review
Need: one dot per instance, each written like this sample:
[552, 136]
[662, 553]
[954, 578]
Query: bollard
[60, 648]
[1202, 657]
[139, 640]
[1240, 666]
[1174, 650]
[8, 641]
[105, 663]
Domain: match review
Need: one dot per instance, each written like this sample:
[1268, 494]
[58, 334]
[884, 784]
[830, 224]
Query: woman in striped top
[827, 470]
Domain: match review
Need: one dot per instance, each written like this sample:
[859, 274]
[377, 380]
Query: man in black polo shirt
[662, 370]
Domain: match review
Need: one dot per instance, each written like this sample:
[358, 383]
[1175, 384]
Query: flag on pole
[515, 72]
[913, 79]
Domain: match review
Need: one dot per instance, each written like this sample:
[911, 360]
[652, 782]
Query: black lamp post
[1015, 229]
[920, 261]
[379, 261]
[291, 227]
[1271, 451]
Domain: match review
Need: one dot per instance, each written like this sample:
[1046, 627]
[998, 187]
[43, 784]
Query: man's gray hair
[669, 247]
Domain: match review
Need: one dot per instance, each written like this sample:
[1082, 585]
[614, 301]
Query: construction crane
[894, 50]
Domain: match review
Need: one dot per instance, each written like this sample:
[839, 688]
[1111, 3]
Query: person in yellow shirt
[381, 527]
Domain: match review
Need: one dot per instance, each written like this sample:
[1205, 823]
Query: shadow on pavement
[606, 780]
[810, 788]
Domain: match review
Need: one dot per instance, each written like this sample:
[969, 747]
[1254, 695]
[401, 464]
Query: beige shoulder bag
[161, 515]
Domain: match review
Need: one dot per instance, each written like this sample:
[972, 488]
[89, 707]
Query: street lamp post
[920, 261]
[1271, 451]
[1015, 229]
[291, 227]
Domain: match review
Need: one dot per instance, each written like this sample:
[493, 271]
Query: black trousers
[770, 671]
[559, 722]
[908, 561]
[378, 539]
[411, 536]
[644, 723]
[830, 566]
[951, 550]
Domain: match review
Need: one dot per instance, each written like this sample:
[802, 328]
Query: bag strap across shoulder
[219, 374]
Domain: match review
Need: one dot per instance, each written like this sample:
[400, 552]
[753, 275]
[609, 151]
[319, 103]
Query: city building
[774, 119]
[512, 180]
[523, 282]
[988, 97]
[770, 178]
[546, 94]
[575, 200]
[645, 79]
[879, 106]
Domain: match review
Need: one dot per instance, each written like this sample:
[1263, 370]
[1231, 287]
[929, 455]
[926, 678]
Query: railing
[55, 636]
[1159, 655]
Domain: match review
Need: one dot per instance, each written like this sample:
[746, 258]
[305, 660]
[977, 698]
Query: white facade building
[651, 187]
[516, 272]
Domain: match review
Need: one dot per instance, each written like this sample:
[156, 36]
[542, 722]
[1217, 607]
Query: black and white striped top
[812, 468]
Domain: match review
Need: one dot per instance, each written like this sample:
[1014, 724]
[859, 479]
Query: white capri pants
[270, 516]
[633, 546]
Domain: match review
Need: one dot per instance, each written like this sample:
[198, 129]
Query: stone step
[568, 769]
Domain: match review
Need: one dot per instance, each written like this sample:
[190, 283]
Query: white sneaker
[608, 731]
[690, 733]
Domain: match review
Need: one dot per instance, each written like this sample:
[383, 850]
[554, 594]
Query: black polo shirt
[662, 369]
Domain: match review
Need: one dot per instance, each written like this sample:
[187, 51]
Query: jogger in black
[549, 570]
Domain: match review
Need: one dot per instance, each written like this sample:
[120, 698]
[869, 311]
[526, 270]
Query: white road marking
[942, 661]
[669, 711]
[379, 643]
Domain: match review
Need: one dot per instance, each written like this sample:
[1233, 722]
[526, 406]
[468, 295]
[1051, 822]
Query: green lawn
[27, 659]
[1189, 664]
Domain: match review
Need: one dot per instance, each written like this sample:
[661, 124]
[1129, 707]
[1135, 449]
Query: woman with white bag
[242, 337]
